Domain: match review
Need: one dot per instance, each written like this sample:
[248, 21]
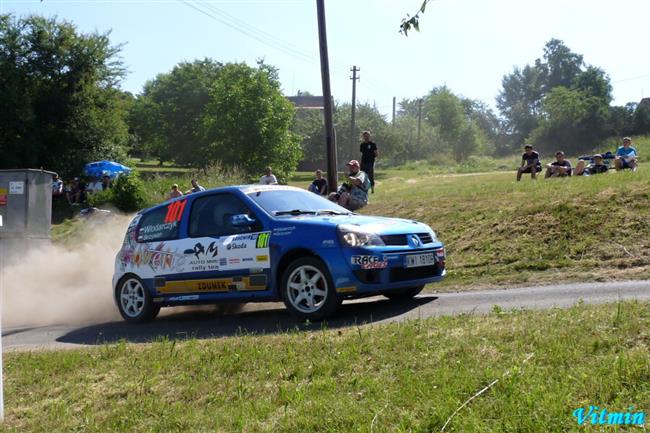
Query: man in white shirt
[269, 178]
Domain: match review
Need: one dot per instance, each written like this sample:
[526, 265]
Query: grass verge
[399, 377]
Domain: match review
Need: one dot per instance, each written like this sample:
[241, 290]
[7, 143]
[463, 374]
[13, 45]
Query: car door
[219, 256]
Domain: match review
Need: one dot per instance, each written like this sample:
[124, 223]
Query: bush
[98, 199]
[128, 193]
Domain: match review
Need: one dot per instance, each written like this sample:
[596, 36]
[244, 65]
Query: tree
[642, 117]
[168, 115]
[60, 103]
[247, 120]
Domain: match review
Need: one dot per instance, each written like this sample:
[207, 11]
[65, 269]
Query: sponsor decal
[212, 285]
[3, 196]
[283, 231]
[263, 258]
[350, 289]
[223, 262]
[234, 261]
[247, 259]
[210, 251]
[158, 258]
[236, 246]
[369, 262]
[328, 243]
[263, 240]
[184, 298]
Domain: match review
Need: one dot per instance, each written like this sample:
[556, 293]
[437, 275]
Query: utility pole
[354, 79]
[419, 119]
[394, 110]
[330, 138]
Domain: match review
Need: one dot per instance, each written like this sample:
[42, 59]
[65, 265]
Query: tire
[134, 300]
[307, 289]
[404, 294]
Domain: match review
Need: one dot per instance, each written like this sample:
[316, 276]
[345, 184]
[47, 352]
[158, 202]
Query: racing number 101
[175, 211]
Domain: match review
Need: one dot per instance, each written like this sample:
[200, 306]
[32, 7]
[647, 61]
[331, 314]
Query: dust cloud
[66, 284]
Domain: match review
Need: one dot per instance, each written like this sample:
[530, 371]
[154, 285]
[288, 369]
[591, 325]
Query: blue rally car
[268, 243]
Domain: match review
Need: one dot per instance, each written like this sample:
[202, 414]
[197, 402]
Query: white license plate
[416, 260]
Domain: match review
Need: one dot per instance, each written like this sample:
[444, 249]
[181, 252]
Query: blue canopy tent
[100, 168]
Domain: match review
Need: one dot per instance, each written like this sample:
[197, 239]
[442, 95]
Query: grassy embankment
[400, 377]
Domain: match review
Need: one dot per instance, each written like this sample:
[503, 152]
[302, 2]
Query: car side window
[211, 214]
[161, 224]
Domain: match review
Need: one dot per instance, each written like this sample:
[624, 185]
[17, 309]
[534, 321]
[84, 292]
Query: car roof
[245, 189]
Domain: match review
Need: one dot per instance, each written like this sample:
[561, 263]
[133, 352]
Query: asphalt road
[270, 318]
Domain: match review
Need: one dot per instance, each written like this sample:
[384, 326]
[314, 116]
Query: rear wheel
[307, 289]
[402, 294]
[134, 301]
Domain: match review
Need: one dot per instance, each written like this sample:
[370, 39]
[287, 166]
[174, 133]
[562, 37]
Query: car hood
[372, 224]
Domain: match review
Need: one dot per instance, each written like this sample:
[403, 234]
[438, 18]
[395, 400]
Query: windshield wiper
[331, 212]
[294, 212]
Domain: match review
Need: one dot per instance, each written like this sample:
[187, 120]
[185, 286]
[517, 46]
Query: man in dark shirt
[369, 152]
[597, 166]
[319, 185]
[529, 163]
[560, 167]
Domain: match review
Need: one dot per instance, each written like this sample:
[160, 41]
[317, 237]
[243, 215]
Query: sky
[467, 45]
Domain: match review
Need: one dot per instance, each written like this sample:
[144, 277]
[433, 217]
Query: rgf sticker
[175, 211]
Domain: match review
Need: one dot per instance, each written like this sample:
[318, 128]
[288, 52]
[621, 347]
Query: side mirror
[241, 220]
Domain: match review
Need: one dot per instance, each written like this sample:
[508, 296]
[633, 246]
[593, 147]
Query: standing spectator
[561, 167]
[353, 194]
[369, 152]
[57, 186]
[625, 156]
[319, 185]
[77, 192]
[269, 178]
[195, 187]
[106, 182]
[530, 163]
[175, 192]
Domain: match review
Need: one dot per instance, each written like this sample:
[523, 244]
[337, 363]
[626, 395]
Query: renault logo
[416, 240]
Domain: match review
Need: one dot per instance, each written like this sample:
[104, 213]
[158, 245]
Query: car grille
[394, 239]
[401, 240]
[405, 274]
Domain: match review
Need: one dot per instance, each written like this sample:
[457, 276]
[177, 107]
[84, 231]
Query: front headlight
[355, 236]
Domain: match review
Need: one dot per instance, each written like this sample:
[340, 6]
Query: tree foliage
[60, 106]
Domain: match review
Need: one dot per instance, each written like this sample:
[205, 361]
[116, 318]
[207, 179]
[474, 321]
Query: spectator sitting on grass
[560, 167]
[94, 186]
[625, 156]
[269, 178]
[195, 187]
[597, 166]
[529, 163]
[353, 194]
[175, 192]
[319, 185]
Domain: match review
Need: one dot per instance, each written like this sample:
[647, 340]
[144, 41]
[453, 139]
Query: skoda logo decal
[416, 240]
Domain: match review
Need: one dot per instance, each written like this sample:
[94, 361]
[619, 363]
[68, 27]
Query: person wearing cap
[561, 167]
[268, 178]
[625, 156]
[530, 163]
[369, 153]
[353, 194]
[596, 166]
[175, 192]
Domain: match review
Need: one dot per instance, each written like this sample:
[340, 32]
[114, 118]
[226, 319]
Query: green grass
[400, 377]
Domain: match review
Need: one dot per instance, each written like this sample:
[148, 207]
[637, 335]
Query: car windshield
[291, 202]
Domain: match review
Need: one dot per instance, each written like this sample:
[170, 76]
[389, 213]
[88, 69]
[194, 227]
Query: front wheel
[404, 294]
[307, 289]
[134, 301]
